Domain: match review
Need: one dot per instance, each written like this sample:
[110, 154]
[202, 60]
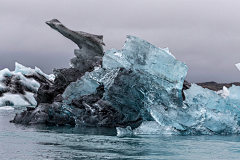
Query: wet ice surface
[42, 142]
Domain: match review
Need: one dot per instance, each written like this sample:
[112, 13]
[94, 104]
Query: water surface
[56, 142]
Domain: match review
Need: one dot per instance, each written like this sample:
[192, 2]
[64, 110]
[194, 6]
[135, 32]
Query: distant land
[217, 86]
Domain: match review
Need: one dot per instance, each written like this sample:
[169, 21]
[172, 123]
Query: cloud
[204, 34]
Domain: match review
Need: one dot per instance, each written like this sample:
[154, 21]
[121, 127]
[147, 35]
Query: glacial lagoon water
[56, 142]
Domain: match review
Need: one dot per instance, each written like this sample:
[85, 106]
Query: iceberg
[124, 132]
[140, 89]
[134, 78]
[238, 66]
[210, 99]
[224, 92]
[203, 112]
[19, 86]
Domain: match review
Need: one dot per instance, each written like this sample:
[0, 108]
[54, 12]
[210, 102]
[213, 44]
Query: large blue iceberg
[139, 89]
[134, 78]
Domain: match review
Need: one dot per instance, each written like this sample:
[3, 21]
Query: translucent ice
[203, 112]
[79, 88]
[152, 127]
[88, 83]
[203, 96]
[196, 119]
[134, 78]
[138, 54]
[197, 95]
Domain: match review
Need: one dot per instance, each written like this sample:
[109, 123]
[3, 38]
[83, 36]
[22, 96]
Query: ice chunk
[134, 78]
[232, 101]
[81, 87]
[238, 66]
[151, 75]
[29, 83]
[195, 119]
[124, 132]
[197, 95]
[203, 96]
[161, 71]
[234, 92]
[114, 59]
[88, 83]
[152, 127]
[141, 55]
[28, 71]
[203, 112]
[14, 85]
[22, 69]
[224, 92]
[51, 77]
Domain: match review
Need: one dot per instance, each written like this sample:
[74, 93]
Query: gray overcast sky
[205, 34]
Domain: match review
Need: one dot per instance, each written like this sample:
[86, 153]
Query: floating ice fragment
[224, 92]
[152, 127]
[124, 132]
[238, 66]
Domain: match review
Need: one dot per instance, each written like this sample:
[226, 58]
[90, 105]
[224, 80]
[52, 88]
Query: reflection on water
[56, 142]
